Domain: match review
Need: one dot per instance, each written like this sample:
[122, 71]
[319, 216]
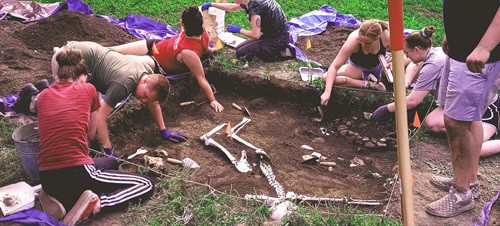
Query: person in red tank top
[178, 54]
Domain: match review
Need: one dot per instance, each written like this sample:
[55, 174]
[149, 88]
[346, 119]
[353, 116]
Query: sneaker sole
[82, 209]
[51, 206]
[451, 214]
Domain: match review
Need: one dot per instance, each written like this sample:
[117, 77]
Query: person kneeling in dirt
[117, 76]
[70, 178]
[268, 39]
[429, 62]
[178, 54]
[360, 51]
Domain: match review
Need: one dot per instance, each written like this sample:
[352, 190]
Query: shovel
[187, 162]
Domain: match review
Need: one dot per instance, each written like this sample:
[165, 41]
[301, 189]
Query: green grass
[10, 167]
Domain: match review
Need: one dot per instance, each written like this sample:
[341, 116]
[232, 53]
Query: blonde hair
[373, 28]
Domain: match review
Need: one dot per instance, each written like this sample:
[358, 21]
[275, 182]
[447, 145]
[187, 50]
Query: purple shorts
[377, 70]
[467, 93]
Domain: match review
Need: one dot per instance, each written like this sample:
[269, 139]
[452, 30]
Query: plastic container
[16, 197]
[220, 16]
[26, 140]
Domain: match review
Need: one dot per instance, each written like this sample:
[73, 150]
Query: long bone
[241, 165]
[240, 125]
[259, 151]
[211, 132]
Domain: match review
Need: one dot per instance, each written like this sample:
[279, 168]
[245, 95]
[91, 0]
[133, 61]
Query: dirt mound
[72, 26]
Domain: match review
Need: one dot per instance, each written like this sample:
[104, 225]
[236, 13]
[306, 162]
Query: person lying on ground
[117, 76]
[268, 38]
[358, 58]
[67, 119]
[179, 54]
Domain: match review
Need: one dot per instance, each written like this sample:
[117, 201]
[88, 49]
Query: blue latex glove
[176, 137]
[380, 112]
[110, 152]
[233, 29]
[205, 6]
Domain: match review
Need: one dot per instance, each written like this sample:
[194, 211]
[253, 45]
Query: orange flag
[218, 45]
[228, 130]
[308, 44]
[416, 121]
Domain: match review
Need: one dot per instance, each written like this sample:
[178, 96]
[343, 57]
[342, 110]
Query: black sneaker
[22, 104]
[42, 84]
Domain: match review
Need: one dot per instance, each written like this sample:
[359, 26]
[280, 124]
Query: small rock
[365, 139]
[350, 133]
[343, 133]
[330, 169]
[370, 144]
[356, 134]
[381, 144]
[383, 140]
[342, 127]
[348, 123]
[318, 140]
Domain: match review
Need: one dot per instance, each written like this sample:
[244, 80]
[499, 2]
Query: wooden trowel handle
[186, 103]
[328, 163]
[174, 161]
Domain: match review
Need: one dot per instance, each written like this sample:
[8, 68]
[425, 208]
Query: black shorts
[491, 116]
[149, 44]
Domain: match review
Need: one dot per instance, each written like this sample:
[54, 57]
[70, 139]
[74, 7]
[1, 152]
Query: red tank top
[165, 51]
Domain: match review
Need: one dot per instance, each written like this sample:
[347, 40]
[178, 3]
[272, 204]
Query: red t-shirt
[63, 123]
[165, 51]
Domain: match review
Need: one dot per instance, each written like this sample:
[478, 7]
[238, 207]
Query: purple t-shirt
[431, 71]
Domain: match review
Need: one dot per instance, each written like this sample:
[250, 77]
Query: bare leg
[349, 82]
[465, 140]
[138, 48]
[435, 121]
[490, 147]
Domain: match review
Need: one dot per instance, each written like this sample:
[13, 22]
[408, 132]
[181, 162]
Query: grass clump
[11, 170]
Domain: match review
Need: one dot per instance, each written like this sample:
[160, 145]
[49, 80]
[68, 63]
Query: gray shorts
[377, 70]
[467, 93]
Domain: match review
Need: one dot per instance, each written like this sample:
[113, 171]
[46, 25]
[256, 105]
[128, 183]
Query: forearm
[205, 86]
[250, 34]
[330, 79]
[102, 131]
[156, 113]
[229, 7]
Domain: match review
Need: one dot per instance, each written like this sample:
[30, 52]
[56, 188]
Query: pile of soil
[281, 123]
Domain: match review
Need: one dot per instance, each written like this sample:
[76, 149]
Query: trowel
[187, 162]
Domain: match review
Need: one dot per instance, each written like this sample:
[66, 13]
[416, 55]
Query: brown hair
[373, 28]
[71, 64]
[192, 21]
[420, 38]
[161, 85]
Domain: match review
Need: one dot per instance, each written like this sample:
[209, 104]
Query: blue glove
[233, 29]
[380, 112]
[176, 137]
[110, 152]
[205, 6]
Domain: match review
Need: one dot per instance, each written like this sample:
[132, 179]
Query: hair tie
[422, 32]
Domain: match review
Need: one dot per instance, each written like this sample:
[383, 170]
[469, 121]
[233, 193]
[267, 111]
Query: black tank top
[368, 61]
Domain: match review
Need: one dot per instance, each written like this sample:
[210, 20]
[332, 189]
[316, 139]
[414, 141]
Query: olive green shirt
[113, 74]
